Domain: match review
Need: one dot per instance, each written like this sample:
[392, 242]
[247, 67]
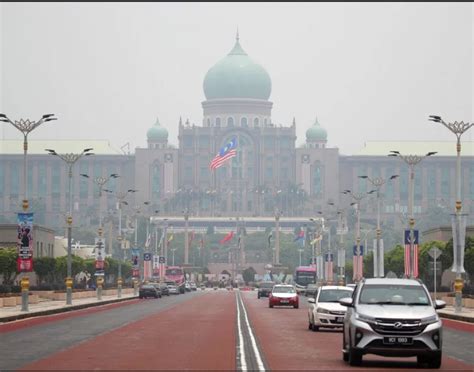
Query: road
[203, 330]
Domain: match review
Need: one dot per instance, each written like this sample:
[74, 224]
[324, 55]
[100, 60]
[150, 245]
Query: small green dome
[237, 76]
[316, 132]
[157, 132]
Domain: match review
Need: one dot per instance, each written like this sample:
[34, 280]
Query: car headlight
[430, 319]
[364, 318]
[322, 311]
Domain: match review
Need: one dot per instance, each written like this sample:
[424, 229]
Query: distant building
[268, 172]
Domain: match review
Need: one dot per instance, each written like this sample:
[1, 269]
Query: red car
[283, 295]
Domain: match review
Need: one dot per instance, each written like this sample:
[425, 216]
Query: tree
[8, 265]
[394, 261]
[249, 275]
[44, 268]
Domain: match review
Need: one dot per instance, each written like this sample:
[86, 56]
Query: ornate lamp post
[341, 231]
[411, 161]
[25, 127]
[276, 259]
[459, 219]
[120, 197]
[319, 227]
[358, 272]
[70, 159]
[378, 182]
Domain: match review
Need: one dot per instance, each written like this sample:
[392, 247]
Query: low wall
[466, 302]
[16, 300]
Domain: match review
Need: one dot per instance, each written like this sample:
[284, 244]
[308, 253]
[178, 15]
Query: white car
[325, 309]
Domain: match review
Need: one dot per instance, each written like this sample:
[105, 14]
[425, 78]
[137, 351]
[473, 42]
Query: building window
[188, 141]
[256, 122]
[230, 121]
[156, 182]
[42, 186]
[317, 181]
[218, 122]
[243, 122]
[208, 122]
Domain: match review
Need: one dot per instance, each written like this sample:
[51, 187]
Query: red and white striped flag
[225, 153]
[407, 256]
[329, 266]
[147, 266]
[358, 263]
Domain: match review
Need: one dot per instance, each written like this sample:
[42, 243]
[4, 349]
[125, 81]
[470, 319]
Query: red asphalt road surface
[287, 344]
[198, 334]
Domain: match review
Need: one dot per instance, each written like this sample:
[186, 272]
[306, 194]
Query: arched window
[265, 122]
[256, 122]
[243, 122]
[230, 121]
[218, 122]
[208, 122]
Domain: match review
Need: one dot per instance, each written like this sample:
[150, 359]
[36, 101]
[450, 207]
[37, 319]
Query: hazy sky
[368, 71]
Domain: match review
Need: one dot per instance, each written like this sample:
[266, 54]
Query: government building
[269, 174]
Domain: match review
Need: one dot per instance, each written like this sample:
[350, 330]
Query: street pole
[70, 159]
[186, 238]
[459, 218]
[411, 161]
[26, 127]
[277, 237]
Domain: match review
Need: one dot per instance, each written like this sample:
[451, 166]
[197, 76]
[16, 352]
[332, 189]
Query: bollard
[68, 282]
[25, 286]
[119, 287]
[100, 282]
[458, 285]
[135, 286]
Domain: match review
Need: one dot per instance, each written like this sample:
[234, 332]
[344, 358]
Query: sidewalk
[466, 315]
[47, 307]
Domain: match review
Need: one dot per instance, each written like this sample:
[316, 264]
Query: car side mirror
[440, 304]
[311, 300]
[346, 301]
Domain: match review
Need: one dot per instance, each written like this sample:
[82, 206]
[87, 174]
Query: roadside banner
[99, 256]
[147, 272]
[25, 242]
[135, 263]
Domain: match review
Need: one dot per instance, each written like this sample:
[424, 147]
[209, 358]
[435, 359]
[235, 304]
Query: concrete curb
[62, 309]
[457, 317]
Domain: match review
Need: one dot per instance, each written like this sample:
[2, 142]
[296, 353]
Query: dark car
[162, 288]
[148, 290]
[264, 289]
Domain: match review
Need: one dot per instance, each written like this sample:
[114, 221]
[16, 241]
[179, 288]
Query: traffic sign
[435, 253]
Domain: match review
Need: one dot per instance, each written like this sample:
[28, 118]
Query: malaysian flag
[358, 263]
[408, 256]
[225, 153]
[329, 266]
[147, 268]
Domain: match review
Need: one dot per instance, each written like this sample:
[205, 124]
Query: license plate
[339, 320]
[284, 301]
[398, 340]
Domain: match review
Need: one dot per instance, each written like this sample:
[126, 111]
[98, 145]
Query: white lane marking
[252, 338]
[243, 363]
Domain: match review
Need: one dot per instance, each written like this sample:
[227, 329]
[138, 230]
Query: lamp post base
[25, 285]
[68, 296]
[458, 284]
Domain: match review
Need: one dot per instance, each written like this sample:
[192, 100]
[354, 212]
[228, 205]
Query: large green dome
[316, 132]
[237, 76]
[157, 132]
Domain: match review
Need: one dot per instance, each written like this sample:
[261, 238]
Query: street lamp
[357, 269]
[378, 182]
[276, 258]
[70, 160]
[411, 161]
[341, 231]
[458, 219]
[319, 235]
[25, 127]
[120, 196]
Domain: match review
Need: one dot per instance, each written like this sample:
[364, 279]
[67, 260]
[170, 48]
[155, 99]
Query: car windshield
[283, 290]
[393, 294]
[174, 272]
[267, 285]
[148, 286]
[333, 295]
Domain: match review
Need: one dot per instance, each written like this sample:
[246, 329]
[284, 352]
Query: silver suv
[392, 317]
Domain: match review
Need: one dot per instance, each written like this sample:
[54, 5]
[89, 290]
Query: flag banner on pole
[225, 153]
[25, 242]
[299, 236]
[135, 255]
[147, 267]
[156, 265]
[226, 238]
[99, 256]
[407, 255]
[316, 239]
[329, 266]
[270, 236]
[358, 262]
[171, 237]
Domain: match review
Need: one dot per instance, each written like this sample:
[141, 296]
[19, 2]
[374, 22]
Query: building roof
[316, 132]
[157, 132]
[15, 147]
[444, 148]
[237, 76]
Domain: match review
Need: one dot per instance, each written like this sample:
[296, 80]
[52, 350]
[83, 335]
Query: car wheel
[433, 360]
[270, 305]
[258, 295]
[296, 306]
[310, 326]
[345, 354]
[355, 357]
[315, 328]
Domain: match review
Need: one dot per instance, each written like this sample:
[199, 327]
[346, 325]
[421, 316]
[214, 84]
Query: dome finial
[237, 34]
[157, 123]
[316, 122]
